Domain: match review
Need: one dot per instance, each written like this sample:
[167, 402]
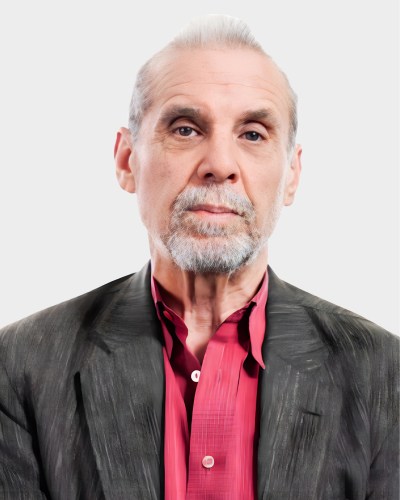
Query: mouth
[212, 210]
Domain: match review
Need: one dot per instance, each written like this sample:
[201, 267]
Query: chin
[213, 255]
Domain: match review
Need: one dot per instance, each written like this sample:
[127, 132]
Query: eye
[253, 136]
[185, 131]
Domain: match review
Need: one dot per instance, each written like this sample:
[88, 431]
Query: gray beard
[205, 247]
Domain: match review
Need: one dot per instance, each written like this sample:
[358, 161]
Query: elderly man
[203, 375]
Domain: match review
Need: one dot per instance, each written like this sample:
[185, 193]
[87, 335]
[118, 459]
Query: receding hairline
[208, 33]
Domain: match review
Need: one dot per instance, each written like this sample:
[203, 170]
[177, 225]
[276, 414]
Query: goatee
[212, 247]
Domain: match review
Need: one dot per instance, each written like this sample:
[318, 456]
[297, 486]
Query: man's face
[210, 165]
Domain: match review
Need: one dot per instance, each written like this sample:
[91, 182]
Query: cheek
[264, 183]
[268, 197]
[152, 202]
[157, 190]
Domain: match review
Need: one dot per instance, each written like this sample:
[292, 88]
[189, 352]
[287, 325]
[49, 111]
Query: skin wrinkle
[274, 128]
[168, 117]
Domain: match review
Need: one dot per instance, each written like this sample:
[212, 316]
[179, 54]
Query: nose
[219, 163]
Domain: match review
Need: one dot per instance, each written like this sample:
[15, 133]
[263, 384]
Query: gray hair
[208, 32]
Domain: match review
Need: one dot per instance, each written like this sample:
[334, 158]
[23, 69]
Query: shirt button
[195, 376]
[208, 462]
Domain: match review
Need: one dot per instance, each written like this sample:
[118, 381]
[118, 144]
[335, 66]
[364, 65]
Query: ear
[122, 154]
[293, 176]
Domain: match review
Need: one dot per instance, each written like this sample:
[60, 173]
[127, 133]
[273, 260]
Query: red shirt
[211, 409]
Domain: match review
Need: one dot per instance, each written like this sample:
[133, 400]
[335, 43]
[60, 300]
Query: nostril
[210, 175]
[217, 175]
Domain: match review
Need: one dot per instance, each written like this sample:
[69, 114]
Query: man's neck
[204, 301]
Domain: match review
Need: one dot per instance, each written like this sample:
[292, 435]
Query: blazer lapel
[122, 386]
[296, 396]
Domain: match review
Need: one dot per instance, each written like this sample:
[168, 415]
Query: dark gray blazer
[82, 391]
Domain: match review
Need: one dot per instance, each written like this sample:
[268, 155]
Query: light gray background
[67, 70]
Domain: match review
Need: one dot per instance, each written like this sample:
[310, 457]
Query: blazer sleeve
[19, 463]
[384, 481]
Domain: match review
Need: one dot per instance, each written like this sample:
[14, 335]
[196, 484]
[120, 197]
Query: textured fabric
[82, 398]
[225, 410]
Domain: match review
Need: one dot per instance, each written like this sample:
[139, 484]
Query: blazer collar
[291, 334]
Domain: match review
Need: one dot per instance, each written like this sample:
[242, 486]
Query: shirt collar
[257, 318]
[258, 322]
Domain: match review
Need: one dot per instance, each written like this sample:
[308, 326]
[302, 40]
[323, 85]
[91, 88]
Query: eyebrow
[174, 112]
[264, 115]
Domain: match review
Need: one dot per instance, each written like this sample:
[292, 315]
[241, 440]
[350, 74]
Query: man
[203, 375]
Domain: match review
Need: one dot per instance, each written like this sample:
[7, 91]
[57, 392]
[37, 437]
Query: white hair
[216, 31]
[208, 32]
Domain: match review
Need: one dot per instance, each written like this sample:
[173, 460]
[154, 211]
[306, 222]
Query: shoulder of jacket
[65, 316]
[338, 325]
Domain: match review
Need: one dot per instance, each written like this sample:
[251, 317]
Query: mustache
[214, 194]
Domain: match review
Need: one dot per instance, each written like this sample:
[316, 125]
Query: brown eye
[253, 136]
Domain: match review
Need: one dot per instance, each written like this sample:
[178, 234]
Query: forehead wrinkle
[265, 86]
[219, 78]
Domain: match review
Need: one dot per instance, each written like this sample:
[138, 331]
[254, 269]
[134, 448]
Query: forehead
[225, 79]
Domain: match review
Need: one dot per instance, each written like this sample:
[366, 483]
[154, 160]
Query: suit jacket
[82, 392]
